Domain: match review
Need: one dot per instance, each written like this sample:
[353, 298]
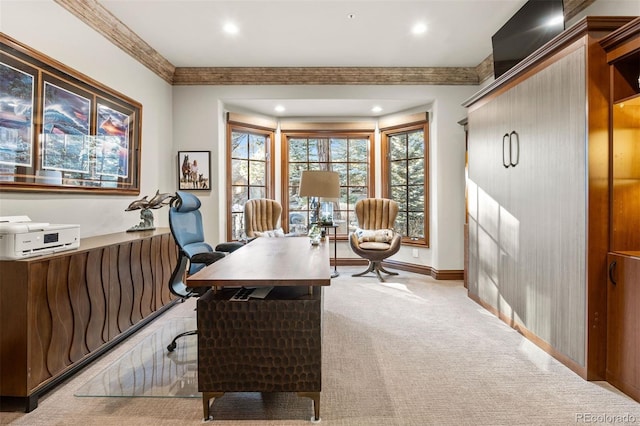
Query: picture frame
[62, 131]
[194, 170]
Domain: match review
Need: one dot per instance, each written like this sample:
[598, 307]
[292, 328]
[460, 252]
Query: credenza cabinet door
[527, 224]
[67, 308]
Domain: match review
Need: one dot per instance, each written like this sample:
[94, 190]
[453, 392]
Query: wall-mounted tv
[537, 22]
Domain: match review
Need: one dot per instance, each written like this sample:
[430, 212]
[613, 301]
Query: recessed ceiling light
[419, 28]
[376, 109]
[230, 28]
[279, 108]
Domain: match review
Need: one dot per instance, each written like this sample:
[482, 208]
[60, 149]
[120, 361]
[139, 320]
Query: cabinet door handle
[514, 136]
[612, 267]
[504, 162]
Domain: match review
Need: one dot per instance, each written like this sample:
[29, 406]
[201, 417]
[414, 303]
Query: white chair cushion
[374, 235]
[275, 233]
[372, 245]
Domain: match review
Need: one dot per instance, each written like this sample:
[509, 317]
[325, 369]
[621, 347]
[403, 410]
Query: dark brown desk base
[269, 345]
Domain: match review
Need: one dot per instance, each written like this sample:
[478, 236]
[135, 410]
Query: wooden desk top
[289, 261]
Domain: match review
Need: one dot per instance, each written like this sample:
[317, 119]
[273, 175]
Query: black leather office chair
[185, 221]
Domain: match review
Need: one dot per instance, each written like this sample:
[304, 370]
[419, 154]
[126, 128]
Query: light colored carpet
[413, 351]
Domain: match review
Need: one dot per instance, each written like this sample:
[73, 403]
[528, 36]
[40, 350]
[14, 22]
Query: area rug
[149, 370]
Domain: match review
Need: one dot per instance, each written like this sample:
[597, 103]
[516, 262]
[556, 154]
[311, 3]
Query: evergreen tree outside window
[250, 173]
[347, 154]
[405, 180]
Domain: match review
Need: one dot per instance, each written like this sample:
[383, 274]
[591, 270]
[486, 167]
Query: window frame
[385, 135]
[325, 134]
[269, 166]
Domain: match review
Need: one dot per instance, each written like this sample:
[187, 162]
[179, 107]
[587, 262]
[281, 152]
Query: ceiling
[311, 33]
[317, 33]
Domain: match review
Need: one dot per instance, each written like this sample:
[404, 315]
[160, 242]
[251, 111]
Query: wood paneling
[623, 325]
[60, 311]
[625, 208]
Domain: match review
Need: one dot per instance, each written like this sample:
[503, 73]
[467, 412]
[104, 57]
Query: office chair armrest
[229, 247]
[207, 258]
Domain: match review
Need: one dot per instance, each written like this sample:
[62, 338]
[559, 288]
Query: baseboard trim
[535, 339]
[426, 270]
[350, 262]
[409, 267]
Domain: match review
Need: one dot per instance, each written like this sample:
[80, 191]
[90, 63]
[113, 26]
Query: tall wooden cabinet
[538, 206]
[59, 312]
[623, 290]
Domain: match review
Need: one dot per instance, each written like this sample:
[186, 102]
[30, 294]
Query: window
[349, 154]
[250, 172]
[406, 177]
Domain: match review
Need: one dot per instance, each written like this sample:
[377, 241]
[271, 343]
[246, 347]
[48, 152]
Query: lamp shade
[319, 183]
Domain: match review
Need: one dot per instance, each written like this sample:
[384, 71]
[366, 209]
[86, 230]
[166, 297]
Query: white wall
[50, 29]
[199, 125]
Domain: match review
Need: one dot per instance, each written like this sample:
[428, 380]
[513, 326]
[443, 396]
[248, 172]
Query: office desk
[263, 345]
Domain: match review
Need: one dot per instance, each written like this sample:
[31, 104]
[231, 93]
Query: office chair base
[173, 343]
[375, 266]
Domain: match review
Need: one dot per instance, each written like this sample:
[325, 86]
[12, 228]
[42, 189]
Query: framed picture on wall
[194, 170]
[60, 130]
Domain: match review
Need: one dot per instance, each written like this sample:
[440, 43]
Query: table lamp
[319, 184]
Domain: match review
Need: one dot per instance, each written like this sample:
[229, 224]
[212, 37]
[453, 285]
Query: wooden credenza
[59, 312]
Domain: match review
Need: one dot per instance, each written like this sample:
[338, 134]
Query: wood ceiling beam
[324, 76]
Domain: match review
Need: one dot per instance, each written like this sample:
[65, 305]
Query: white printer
[21, 238]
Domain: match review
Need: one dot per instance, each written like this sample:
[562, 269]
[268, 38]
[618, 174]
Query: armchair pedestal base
[376, 267]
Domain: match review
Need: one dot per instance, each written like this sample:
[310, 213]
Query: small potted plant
[326, 219]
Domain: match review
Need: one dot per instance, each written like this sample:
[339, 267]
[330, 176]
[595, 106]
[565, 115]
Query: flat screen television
[537, 22]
